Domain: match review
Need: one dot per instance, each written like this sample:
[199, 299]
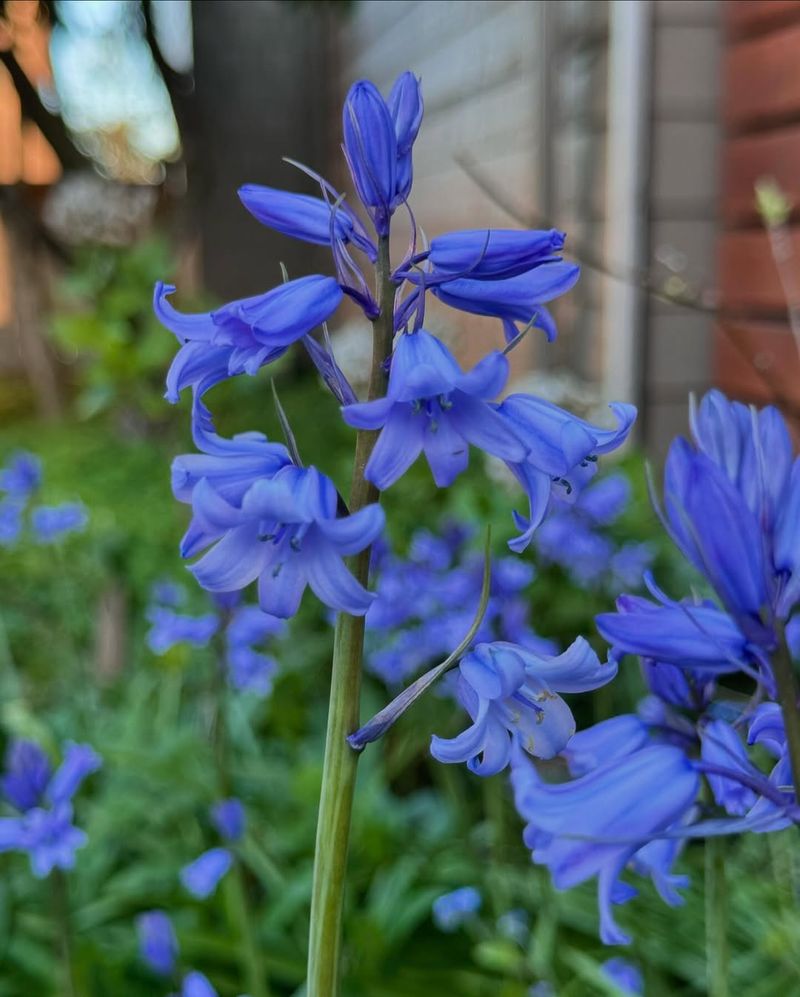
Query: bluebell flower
[287, 535]
[10, 522]
[451, 910]
[566, 539]
[594, 825]
[716, 531]
[27, 774]
[561, 452]
[604, 501]
[766, 728]
[370, 147]
[158, 945]
[604, 741]
[229, 819]
[230, 466]
[167, 593]
[787, 546]
[488, 254]
[168, 628]
[197, 985]
[80, 761]
[684, 634]
[242, 336]
[21, 476]
[248, 669]
[52, 523]
[310, 219]
[629, 564]
[202, 876]
[624, 975]
[406, 110]
[519, 299]
[431, 406]
[686, 688]
[511, 695]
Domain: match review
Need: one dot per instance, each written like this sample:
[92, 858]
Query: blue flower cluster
[20, 480]
[574, 536]
[257, 515]
[732, 506]
[246, 628]
[43, 826]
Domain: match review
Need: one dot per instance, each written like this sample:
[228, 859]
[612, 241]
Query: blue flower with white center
[240, 337]
[21, 476]
[51, 523]
[432, 407]
[158, 945]
[594, 825]
[452, 910]
[511, 695]
[202, 876]
[562, 452]
[287, 535]
[229, 819]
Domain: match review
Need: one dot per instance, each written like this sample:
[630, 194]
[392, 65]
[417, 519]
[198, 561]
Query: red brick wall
[755, 354]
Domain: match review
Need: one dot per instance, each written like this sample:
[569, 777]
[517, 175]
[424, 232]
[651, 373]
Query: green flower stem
[716, 918]
[783, 669]
[239, 905]
[339, 767]
[63, 921]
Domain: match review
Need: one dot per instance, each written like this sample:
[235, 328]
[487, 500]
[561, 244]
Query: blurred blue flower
[202, 876]
[248, 669]
[228, 818]
[50, 838]
[624, 975]
[287, 535]
[197, 985]
[511, 696]
[431, 406]
[10, 522]
[27, 774]
[21, 476]
[51, 523]
[452, 910]
[168, 628]
[158, 945]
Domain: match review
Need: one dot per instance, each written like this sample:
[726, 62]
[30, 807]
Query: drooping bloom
[158, 945]
[21, 476]
[612, 738]
[432, 407]
[594, 825]
[451, 910]
[287, 535]
[562, 452]
[511, 696]
[229, 819]
[519, 299]
[242, 336]
[202, 876]
[492, 254]
[51, 523]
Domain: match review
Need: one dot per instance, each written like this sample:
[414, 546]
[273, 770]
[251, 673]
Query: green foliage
[173, 742]
[119, 348]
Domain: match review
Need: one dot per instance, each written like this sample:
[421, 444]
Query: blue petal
[446, 450]
[353, 533]
[80, 760]
[297, 215]
[485, 428]
[578, 669]
[333, 584]
[397, 447]
[281, 590]
[233, 563]
[202, 876]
